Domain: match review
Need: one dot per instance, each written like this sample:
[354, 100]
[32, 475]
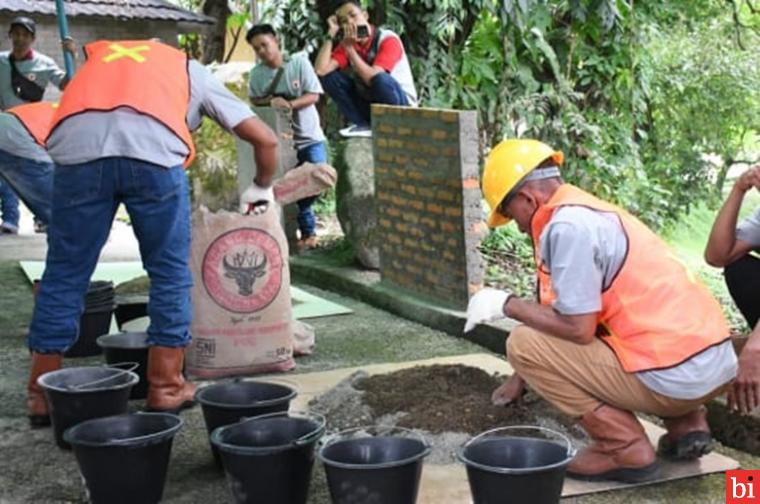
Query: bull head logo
[245, 269]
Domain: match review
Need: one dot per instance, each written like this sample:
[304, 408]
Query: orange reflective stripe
[148, 77]
[36, 117]
[655, 314]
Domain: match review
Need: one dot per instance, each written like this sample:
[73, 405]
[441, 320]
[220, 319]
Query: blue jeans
[85, 199]
[31, 180]
[343, 90]
[314, 153]
[8, 205]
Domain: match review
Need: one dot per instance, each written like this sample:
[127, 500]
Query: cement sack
[242, 320]
[306, 180]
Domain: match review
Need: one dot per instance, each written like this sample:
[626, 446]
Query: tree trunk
[255, 11]
[213, 43]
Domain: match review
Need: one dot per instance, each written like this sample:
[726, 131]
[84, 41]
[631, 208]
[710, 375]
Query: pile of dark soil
[451, 398]
[731, 429]
[447, 404]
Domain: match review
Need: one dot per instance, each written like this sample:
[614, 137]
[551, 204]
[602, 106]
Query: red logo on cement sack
[242, 270]
[742, 487]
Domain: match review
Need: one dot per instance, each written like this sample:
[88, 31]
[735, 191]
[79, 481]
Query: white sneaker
[6, 228]
[356, 131]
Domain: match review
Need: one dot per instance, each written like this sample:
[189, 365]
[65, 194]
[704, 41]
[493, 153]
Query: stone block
[355, 200]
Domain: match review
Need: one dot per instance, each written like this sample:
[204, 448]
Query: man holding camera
[361, 64]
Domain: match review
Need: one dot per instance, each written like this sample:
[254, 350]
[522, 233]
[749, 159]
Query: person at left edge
[25, 165]
[24, 76]
[122, 135]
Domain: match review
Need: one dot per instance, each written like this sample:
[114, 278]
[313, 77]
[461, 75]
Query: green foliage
[703, 99]
[635, 94]
[325, 205]
[509, 258]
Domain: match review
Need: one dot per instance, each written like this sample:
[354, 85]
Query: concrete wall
[428, 201]
[87, 29]
[243, 51]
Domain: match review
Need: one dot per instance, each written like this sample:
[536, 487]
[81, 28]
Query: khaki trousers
[577, 379]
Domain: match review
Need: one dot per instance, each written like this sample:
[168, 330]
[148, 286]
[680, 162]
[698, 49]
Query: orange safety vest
[149, 77]
[655, 313]
[36, 117]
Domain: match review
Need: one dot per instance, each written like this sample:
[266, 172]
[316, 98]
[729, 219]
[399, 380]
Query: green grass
[16, 303]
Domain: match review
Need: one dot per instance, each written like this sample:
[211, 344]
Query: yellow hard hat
[507, 164]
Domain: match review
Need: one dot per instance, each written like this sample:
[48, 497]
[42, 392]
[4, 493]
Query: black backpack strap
[22, 87]
[275, 81]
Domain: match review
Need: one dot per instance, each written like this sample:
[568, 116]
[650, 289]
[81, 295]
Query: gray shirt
[298, 79]
[16, 140]
[126, 133]
[39, 68]
[584, 249]
[748, 229]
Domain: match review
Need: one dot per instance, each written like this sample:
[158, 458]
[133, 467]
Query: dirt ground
[738, 431]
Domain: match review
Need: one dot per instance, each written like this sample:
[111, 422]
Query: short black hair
[340, 3]
[260, 29]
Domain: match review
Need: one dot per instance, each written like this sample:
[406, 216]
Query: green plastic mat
[117, 272]
[305, 305]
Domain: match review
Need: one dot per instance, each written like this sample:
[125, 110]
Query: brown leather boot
[688, 436]
[620, 449]
[167, 389]
[36, 404]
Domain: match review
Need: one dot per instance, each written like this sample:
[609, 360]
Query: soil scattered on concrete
[447, 404]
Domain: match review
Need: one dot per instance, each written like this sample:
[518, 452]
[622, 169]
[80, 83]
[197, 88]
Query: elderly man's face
[21, 38]
[520, 209]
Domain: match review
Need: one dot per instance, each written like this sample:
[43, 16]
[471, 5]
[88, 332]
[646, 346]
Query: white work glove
[255, 199]
[487, 305]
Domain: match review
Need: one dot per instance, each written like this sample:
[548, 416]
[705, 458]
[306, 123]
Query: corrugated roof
[122, 9]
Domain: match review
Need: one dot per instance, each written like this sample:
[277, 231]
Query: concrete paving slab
[448, 483]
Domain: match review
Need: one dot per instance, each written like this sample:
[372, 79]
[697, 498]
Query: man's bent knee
[521, 344]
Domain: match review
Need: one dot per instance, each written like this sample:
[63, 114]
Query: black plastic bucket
[228, 403]
[130, 308]
[124, 458]
[81, 393]
[94, 322]
[506, 468]
[128, 347]
[268, 459]
[382, 467]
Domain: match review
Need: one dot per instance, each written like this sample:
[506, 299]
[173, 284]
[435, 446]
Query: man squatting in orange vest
[24, 163]
[122, 135]
[621, 326]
